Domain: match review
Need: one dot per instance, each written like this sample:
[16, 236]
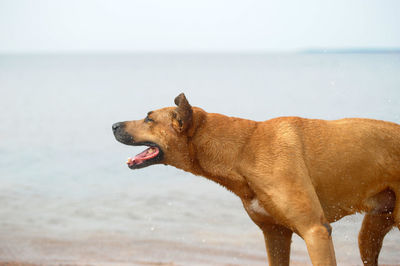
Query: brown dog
[292, 174]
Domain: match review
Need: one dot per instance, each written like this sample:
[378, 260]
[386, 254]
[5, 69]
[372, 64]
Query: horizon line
[356, 50]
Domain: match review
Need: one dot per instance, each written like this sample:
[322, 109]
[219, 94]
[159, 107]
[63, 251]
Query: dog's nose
[116, 126]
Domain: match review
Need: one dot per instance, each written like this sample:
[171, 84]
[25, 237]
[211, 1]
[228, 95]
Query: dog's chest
[254, 207]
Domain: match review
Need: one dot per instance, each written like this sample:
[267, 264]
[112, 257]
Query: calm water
[67, 196]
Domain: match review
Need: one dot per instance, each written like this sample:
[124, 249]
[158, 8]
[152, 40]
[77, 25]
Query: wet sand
[117, 251]
[113, 251]
[123, 251]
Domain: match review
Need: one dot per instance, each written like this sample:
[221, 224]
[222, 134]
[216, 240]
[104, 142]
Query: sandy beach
[113, 251]
[118, 250]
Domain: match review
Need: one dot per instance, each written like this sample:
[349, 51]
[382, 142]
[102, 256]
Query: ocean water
[66, 195]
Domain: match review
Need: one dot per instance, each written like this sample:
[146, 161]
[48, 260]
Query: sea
[68, 198]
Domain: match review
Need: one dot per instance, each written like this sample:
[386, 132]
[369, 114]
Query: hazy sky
[206, 25]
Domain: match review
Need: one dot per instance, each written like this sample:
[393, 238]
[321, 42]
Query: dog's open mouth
[151, 155]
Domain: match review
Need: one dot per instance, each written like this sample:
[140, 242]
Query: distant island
[351, 51]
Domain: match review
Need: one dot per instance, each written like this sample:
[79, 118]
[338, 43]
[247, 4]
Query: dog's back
[347, 160]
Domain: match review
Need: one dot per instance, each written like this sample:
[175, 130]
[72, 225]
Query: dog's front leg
[291, 199]
[319, 245]
[277, 242]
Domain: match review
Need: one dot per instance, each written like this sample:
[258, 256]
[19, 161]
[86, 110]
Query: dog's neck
[214, 153]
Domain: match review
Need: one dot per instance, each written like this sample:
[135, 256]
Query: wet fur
[303, 173]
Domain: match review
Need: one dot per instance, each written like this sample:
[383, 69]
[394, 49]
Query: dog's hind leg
[396, 210]
[277, 242]
[376, 224]
[373, 230]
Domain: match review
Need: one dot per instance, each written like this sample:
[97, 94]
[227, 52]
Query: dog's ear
[182, 114]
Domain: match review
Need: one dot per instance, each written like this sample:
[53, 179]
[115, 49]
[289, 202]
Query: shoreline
[120, 251]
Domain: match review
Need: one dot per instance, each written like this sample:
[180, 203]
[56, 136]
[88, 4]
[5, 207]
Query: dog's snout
[117, 126]
[120, 134]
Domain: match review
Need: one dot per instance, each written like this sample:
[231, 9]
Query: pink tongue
[143, 156]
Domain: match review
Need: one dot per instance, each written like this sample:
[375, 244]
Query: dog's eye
[148, 119]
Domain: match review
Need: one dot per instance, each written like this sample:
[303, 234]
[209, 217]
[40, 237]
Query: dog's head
[165, 132]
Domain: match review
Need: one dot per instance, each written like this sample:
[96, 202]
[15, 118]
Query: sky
[28, 26]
